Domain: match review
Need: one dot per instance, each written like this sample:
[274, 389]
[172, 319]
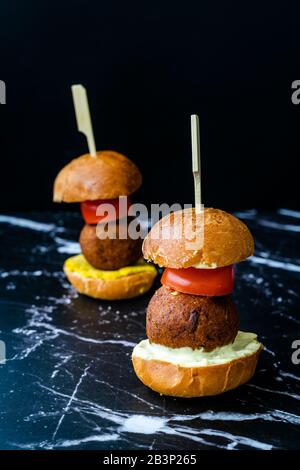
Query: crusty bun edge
[188, 382]
[125, 287]
[226, 241]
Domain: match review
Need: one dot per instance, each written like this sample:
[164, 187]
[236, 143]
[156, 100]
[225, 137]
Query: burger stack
[109, 267]
[194, 346]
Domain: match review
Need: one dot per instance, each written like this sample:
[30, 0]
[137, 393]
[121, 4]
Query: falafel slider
[194, 346]
[109, 268]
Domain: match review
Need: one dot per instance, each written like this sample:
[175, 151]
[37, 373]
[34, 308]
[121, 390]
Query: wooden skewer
[83, 116]
[196, 161]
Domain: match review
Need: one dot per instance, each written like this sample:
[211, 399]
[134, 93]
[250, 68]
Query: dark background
[147, 67]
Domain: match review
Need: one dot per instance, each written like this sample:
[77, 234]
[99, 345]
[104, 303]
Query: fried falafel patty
[181, 320]
[109, 253]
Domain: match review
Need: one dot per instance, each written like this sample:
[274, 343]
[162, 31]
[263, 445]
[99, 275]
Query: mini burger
[194, 346]
[109, 268]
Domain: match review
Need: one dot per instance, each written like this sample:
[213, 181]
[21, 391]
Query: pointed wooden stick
[83, 116]
[196, 161]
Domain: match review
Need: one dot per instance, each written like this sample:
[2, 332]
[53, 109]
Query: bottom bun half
[168, 378]
[123, 287]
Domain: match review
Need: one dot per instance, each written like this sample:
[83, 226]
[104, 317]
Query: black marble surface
[68, 382]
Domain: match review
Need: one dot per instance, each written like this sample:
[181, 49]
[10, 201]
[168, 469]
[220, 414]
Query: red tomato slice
[208, 282]
[89, 209]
